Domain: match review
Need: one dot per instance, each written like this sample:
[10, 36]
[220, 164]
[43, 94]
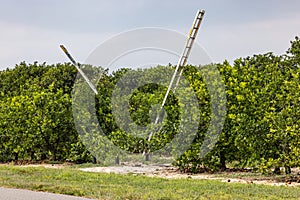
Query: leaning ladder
[181, 63]
[79, 70]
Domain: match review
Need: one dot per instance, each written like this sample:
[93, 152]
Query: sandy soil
[169, 172]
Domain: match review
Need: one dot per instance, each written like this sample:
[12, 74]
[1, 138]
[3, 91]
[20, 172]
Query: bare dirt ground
[169, 172]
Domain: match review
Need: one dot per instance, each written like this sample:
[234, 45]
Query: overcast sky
[32, 30]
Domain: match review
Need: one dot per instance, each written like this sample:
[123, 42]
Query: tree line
[261, 127]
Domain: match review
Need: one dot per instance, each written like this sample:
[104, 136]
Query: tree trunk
[147, 157]
[43, 156]
[288, 170]
[94, 160]
[117, 160]
[16, 155]
[222, 161]
[276, 170]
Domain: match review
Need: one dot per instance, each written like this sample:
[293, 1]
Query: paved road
[17, 194]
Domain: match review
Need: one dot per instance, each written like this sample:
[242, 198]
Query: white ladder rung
[181, 63]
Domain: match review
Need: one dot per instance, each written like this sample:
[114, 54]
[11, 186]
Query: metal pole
[79, 70]
[181, 63]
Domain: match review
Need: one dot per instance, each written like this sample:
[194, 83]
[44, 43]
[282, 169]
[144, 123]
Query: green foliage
[262, 125]
[36, 121]
[261, 128]
[141, 111]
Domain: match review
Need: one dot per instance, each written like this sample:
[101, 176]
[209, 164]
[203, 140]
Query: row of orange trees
[261, 127]
[36, 117]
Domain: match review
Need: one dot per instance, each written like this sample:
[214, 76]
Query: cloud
[32, 30]
[28, 43]
[231, 42]
[78, 16]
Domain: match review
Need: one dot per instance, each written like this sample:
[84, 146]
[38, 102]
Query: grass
[112, 186]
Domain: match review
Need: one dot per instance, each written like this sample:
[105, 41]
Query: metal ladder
[181, 63]
[79, 70]
[189, 43]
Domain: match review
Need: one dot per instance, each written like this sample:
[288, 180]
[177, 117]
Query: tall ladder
[189, 44]
[78, 69]
[180, 65]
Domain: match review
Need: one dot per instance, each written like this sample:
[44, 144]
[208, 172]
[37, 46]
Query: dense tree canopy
[261, 128]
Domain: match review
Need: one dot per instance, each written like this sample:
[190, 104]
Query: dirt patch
[169, 172]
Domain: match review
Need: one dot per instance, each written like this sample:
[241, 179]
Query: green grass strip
[113, 186]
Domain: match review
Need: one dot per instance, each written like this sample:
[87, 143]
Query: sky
[32, 30]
